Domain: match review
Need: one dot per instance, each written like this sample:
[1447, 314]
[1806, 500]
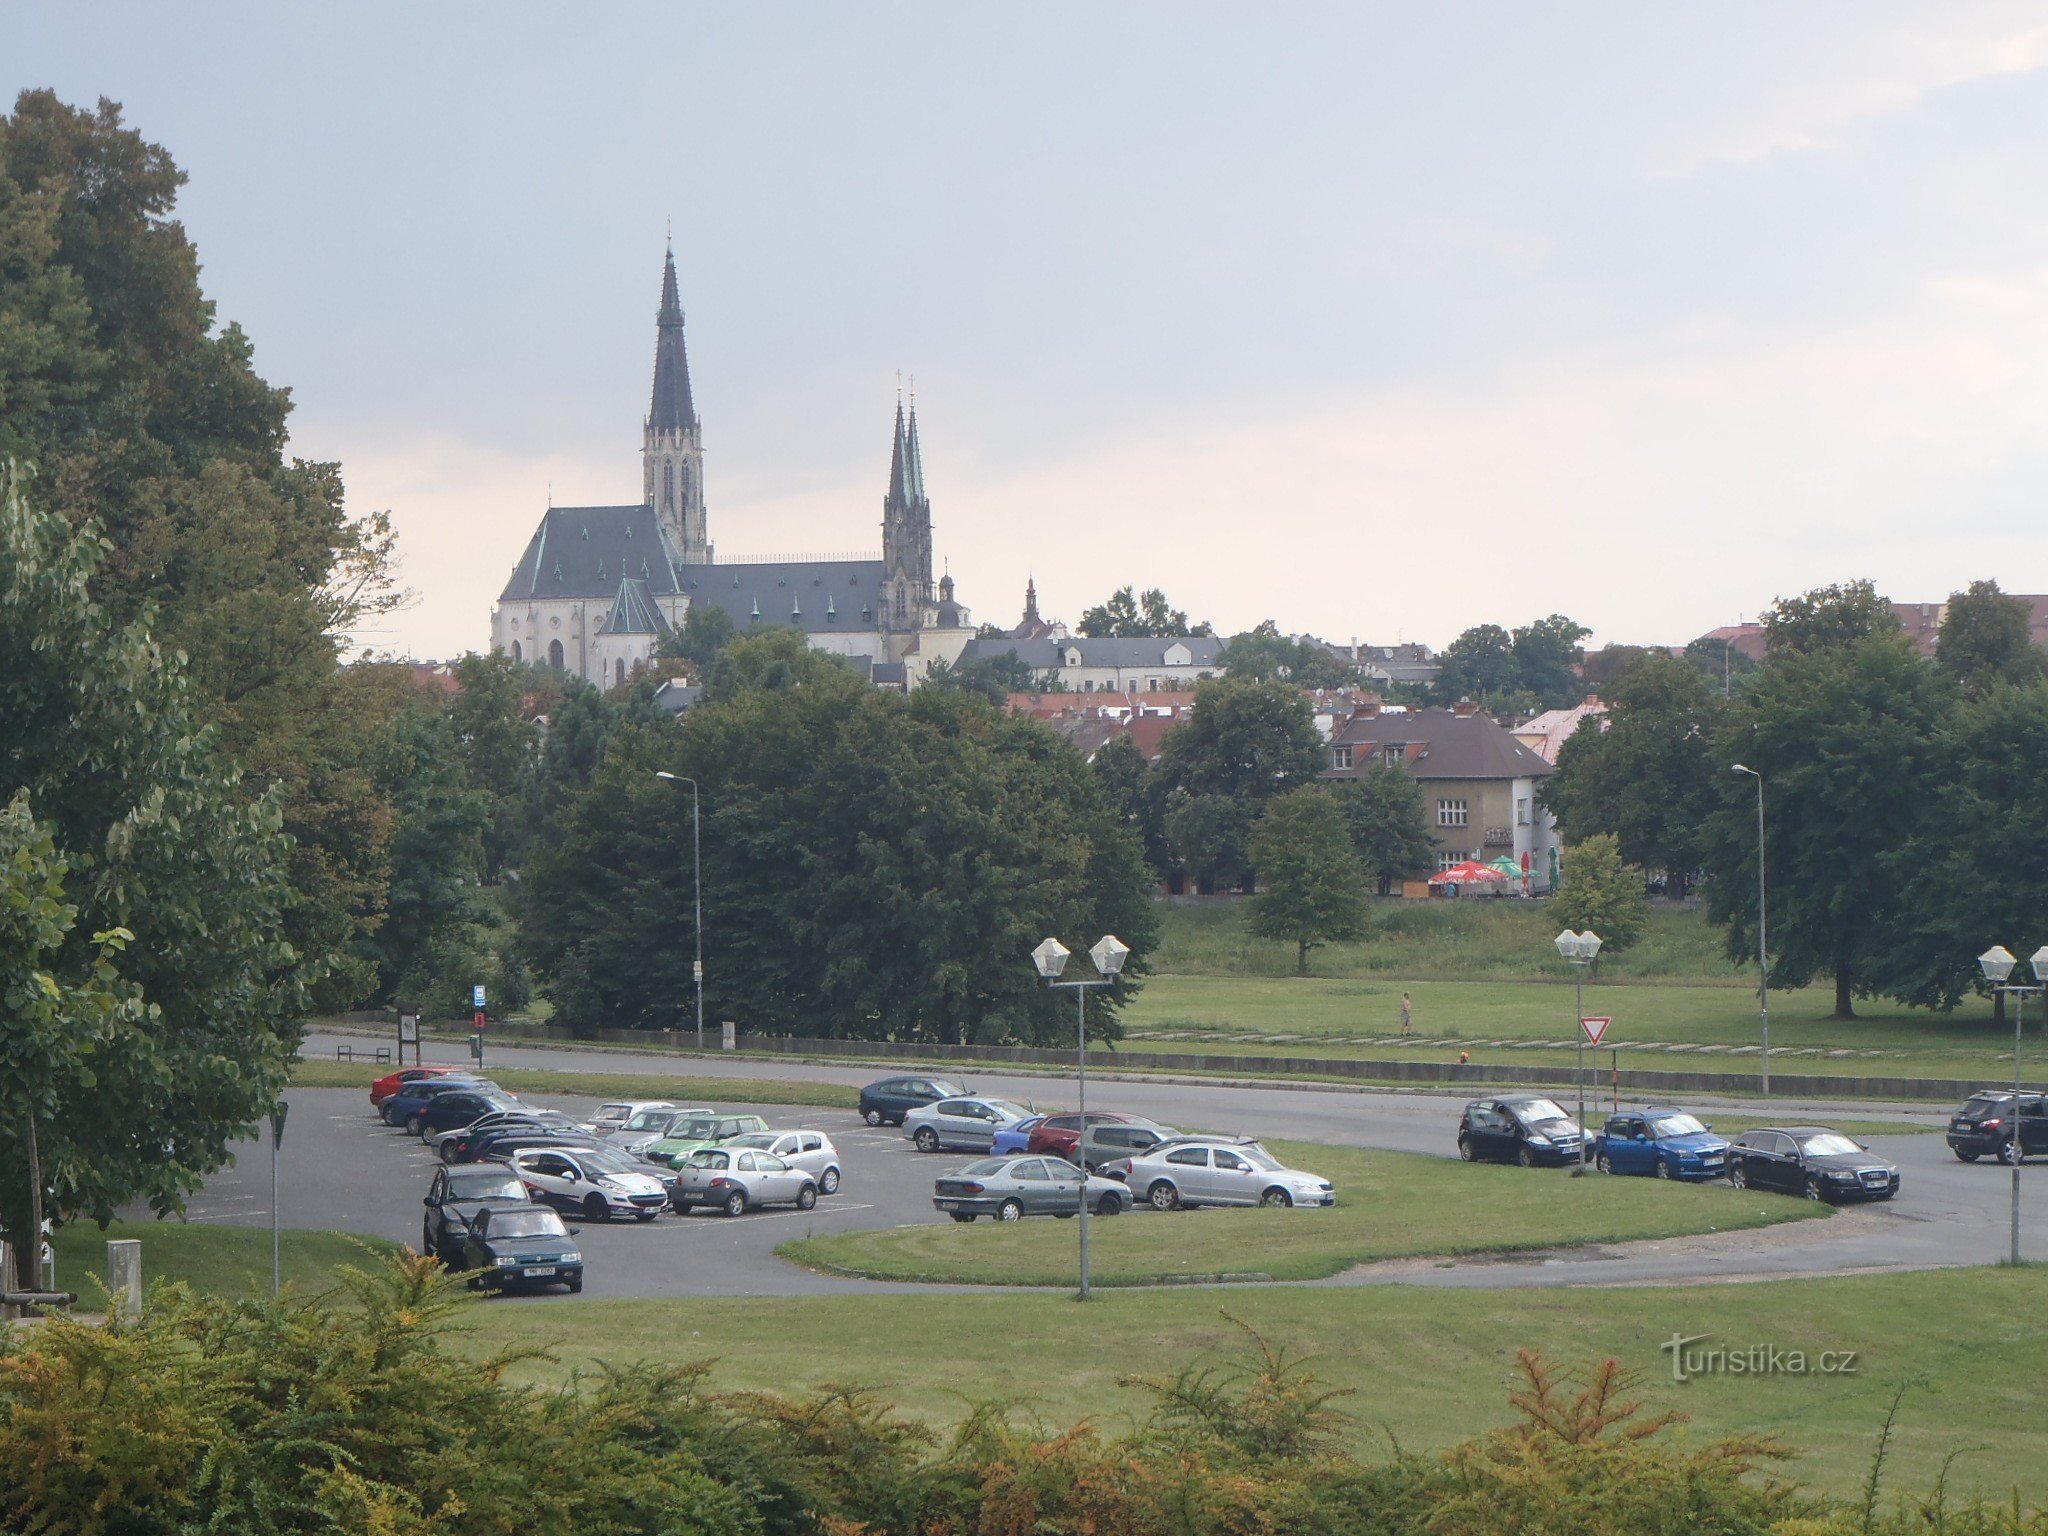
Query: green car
[695, 1132]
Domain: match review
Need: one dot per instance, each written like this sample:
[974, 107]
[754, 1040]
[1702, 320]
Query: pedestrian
[1407, 1015]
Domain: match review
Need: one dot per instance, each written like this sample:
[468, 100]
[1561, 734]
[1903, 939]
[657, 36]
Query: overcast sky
[1380, 320]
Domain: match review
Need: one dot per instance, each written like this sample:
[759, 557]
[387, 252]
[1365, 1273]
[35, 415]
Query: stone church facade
[598, 587]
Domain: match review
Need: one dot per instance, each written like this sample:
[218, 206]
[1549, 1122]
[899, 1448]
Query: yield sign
[1595, 1029]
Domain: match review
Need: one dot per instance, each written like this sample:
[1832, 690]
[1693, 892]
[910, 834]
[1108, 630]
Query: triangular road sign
[1595, 1029]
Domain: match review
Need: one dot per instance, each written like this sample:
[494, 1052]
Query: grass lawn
[717, 1091]
[218, 1260]
[1394, 1204]
[1433, 1365]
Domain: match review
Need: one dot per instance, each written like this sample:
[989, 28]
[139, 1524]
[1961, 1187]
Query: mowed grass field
[1393, 1205]
[1433, 1366]
[217, 1259]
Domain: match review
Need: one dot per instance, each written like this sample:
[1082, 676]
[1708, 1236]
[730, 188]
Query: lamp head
[1568, 944]
[1050, 958]
[1589, 945]
[1108, 954]
[2039, 961]
[663, 773]
[1996, 963]
[1744, 768]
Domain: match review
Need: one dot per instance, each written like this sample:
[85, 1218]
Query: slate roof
[820, 596]
[672, 409]
[634, 613]
[587, 551]
[1044, 654]
[1442, 744]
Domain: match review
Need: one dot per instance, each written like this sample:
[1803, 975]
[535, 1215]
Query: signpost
[476, 1045]
[1595, 1029]
[409, 1032]
[277, 1114]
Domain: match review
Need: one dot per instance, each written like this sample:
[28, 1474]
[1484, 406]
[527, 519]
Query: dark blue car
[404, 1106]
[1667, 1143]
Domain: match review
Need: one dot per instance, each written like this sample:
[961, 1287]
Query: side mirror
[575, 1231]
[426, 1199]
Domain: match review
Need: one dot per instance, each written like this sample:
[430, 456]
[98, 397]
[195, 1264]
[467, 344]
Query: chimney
[1464, 707]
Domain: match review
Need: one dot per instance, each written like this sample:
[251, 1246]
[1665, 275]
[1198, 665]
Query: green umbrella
[1508, 867]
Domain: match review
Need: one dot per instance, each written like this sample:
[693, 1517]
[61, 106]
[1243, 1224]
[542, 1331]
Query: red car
[1061, 1134]
[391, 1082]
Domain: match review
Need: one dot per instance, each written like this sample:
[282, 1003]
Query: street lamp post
[1581, 950]
[1051, 959]
[1763, 969]
[697, 888]
[1997, 964]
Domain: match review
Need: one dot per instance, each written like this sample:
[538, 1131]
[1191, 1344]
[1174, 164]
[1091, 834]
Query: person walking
[1407, 1015]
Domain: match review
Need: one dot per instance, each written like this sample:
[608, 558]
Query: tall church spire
[672, 448]
[906, 529]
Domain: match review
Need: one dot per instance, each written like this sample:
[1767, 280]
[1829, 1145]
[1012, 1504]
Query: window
[517, 653]
[1394, 754]
[1189, 1157]
[1340, 757]
[555, 654]
[745, 1162]
[620, 674]
[1032, 1172]
[1450, 813]
[1522, 811]
[1450, 857]
[1232, 1162]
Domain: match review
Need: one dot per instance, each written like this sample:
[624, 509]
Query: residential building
[1478, 782]
[1546, 734]
[1155, 664]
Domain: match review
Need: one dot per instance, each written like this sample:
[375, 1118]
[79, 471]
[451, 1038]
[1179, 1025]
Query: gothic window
[517, 654]
[555, 654]
[668, 485]
[621, 672]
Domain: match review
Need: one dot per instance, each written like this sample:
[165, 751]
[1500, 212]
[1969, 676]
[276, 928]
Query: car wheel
[1164, 1196]
[1010, 1210]
[807, 1197]
[828, 1182]
[1968, 1157]
[1277, 1199]
[448, 1152]
[594, 1207]
[736, 1203]
[872, 1116]
[416, 1126]
[1738, 1176]
[2009, 1153]
[1526, 1158]
[963, 1217]
[1813, 1189]
[927, 1139]
[1109, 1205]
[1663, 1168]
[1604, 1163]
[576, 1286]
[427, 1242]
[1465, 1149]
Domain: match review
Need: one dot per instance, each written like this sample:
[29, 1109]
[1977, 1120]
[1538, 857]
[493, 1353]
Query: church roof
[633, 611]
[672, 409]
[587, 551]
[819, 596]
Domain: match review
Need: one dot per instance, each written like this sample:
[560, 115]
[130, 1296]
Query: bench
[348, 1053]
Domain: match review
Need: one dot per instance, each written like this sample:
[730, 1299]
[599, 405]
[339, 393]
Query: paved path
[343, 1168]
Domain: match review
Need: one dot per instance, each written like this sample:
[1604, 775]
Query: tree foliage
[1242, 745]
[1828, 617]
[1311, 884]
[1126, 615]
[1602, 893]
[1389, 825]
[1534, 667]
[1986, 639]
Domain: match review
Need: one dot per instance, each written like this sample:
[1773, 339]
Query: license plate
[535, 1272]
[947, 1205]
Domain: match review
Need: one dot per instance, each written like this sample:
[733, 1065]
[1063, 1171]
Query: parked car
[693, 1132]
[1994, 1123]
[1060, 1134]
[497, 1145]
[455, 1195]
[887, 1102]
[453, 1146]
[616, 1115]
[596, 1182]
[1810, 1160]
[391, 1082]
[413, 1098]
[1108, 1145]
[1666, 1142]
[810, 1151]
[1212, 1170]
[736, 1179]
[969, 1125]
[521, 1245]
[457, 1108]
[1523, 1128]
[1011, 1188]
[644, 1128]
[1015, 1140]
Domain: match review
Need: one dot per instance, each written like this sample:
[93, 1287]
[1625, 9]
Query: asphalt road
[343, 1168]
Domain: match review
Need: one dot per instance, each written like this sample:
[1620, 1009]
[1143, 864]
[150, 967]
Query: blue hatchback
[1668, 1143]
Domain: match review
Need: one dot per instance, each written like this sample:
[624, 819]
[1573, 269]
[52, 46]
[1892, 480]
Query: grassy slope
[717, 1091]
[1435, 1365]
[219, 1259]
[1394, 1204]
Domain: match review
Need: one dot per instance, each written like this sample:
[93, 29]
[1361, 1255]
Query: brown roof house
[1478, 783]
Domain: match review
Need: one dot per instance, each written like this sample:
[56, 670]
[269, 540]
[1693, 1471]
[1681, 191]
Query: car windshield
[986, 1167]
[481, 1185]
[650, 1120]
[1259, 1157]
[607, 1162]
[526, 1224]
[710, 1158]
[1008, 1110]
[1828, 1144]
[1539, 1111]
[692, 1130]
[1676, 1125]
[758, 1140]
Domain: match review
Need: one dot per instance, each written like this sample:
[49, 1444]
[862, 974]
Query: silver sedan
[737, 1180]
[967, 1125]
[1011, 1188]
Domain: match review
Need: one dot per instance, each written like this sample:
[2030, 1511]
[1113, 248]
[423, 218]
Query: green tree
[1265, 655]
[1547, 657]
[705, 631]
[1601, 893]
[1242, 745]
[1389, 825]
[1126, 615]
[101, 735]
[1647, 772]
[1480, 664]
[1311, 885]
[995, 677]
[1828, 616]
[1722, 663]
[771, 661]
[1986, 639]
[1845, 736]
[500, 745]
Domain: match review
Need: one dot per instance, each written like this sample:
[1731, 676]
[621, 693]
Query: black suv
[887, 1102]
[1523, 1128]
[1984, 1126]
